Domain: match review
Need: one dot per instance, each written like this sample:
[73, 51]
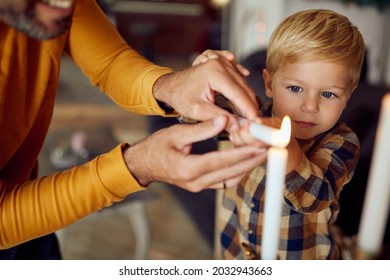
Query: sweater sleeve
[41, 206]
[70, 195]
[323, 172]
[97, 48]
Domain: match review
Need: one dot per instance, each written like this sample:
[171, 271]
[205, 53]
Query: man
[33, 36]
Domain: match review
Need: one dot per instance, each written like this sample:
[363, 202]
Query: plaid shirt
[311, 201]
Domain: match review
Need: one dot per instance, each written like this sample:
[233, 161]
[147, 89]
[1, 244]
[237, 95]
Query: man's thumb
[204, 130]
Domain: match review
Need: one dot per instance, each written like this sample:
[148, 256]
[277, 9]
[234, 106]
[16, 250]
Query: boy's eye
[328, 94]
[295, 89]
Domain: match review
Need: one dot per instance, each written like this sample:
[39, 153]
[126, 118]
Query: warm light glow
[219, 3]
[261, 27]
[261, 40]
[284, 133]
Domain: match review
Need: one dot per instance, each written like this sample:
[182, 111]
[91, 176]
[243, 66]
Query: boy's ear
[268, 83]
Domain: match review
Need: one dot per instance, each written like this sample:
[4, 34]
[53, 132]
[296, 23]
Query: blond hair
[317, 35]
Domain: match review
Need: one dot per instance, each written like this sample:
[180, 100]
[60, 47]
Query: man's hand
[191, 92]
[214, 54]
[165, 156]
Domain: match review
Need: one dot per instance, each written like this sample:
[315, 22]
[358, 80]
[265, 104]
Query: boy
[313, 66]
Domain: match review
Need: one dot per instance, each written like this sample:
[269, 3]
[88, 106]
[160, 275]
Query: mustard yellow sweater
[29, 75]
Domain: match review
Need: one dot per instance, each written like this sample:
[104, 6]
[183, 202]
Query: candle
[266, 134]
[272, 136]
[376, 203]
[275, 183]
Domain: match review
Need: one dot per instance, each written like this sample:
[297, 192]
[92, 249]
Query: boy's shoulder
[341, 129]
[339, 136]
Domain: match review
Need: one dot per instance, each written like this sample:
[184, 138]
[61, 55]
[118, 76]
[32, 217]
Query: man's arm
[135, 83]
[41, 206]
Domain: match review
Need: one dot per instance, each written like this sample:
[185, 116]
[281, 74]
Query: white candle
[274, 186]
[376, 203]
[272, 136]
[266, 134]
[275, 183]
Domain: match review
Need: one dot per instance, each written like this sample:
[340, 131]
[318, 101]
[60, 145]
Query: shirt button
[248, 252]
[253, 205]
[250, 231]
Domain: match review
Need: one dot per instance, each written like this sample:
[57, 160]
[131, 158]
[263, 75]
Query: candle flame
[274, 137]
[284, 133]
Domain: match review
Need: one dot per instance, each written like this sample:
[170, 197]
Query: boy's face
[313, 94]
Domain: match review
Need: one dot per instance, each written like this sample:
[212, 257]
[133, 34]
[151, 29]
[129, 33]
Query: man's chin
[46, 35]
[39, 31]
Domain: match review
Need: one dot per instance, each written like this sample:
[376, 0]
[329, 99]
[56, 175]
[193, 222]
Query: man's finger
[203, 130]
[231, 165]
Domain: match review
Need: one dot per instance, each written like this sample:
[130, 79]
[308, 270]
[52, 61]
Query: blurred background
[166, 222]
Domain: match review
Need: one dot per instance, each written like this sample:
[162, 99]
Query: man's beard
[27, 24]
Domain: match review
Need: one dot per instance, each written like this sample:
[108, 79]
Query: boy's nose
[310, 105]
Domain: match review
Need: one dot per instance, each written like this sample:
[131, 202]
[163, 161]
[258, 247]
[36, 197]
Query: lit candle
[274, 186]
[376, 203]
[272, 136]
